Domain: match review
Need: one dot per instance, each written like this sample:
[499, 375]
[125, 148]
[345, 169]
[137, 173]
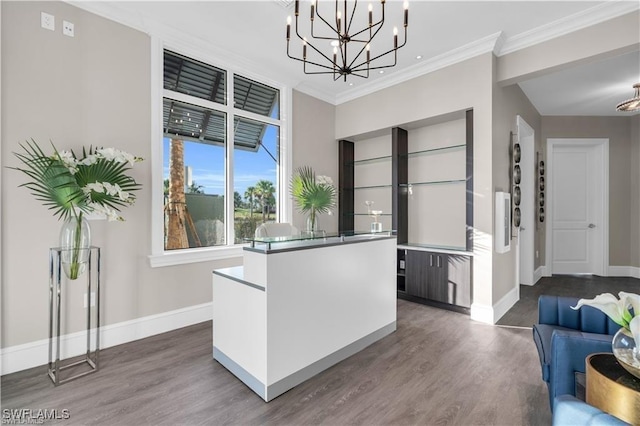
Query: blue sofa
[570, 411]
[564, 337]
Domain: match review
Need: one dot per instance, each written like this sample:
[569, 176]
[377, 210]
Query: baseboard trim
[491, 314]
[624, 271]
[538, 273]
[33, 354]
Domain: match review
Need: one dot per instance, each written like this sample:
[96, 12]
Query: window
[221, 154]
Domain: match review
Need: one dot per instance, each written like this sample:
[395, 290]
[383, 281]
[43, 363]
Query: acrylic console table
[86, 363]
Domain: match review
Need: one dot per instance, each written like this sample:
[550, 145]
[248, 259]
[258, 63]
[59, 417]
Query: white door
[578, 203]
[527, 209]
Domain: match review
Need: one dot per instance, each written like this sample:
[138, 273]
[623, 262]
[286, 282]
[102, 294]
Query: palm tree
[249, 194]
[176, 229]
[265, 191]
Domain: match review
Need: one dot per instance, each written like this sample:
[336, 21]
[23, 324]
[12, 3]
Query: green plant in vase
[73, 186]
[312, 194]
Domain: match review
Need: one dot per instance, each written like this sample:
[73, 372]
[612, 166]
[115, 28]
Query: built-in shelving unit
[429, 202]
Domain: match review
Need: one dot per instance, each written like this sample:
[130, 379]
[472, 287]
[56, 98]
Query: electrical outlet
[93, 299]
[68, 28]
[536, 254]
[47, 21]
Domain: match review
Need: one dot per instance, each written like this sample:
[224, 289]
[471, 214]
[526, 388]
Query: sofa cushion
[542, 334]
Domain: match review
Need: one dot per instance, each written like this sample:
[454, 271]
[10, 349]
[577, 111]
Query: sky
[207, 164]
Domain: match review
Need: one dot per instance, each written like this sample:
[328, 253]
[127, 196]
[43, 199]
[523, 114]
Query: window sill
[205, 254]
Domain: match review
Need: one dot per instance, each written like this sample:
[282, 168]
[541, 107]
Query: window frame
[160, 257]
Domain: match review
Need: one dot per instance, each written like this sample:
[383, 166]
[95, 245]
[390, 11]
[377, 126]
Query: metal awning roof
[199, 124]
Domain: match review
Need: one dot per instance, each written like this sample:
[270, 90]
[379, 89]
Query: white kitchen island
[297, 307]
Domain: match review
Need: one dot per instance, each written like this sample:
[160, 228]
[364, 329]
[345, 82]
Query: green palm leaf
[51, 182]
[60, 190]
[311, 196]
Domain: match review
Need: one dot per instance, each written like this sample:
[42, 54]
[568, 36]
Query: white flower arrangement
[618, 309]
[70, 185]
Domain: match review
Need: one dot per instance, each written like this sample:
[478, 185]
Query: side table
[611, 388]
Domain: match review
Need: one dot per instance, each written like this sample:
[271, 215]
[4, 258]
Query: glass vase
[312, 223]
[75, 242]
[626, 352]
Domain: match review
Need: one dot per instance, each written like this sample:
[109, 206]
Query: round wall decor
[517, 153]
[517, 195]
[542, 199]
[516, 217]
[517, 174]
[541, 183]
[541, 168]
[541, 214]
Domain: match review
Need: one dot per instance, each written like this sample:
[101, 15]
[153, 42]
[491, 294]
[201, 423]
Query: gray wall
[621, 146]
[315, 145]
[508, 102]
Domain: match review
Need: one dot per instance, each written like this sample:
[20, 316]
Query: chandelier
[632, 104]
[350, 47]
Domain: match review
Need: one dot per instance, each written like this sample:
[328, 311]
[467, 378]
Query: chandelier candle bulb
[370, 14]
[288, 27]
[338, 19]
[297, 7]
[406, 13]
[395, 37]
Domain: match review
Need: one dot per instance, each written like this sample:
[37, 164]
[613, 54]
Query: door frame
[603, 144]
[524, 132]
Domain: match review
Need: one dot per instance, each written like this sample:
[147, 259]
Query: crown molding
[311, 90]
[586, 18]
[484, 45]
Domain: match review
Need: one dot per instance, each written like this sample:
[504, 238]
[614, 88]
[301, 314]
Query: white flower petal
[608, 304]
[634, 326]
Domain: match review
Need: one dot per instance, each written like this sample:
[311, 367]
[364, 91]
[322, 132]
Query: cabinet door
[437, 278]
[417, 265]
[459, 280]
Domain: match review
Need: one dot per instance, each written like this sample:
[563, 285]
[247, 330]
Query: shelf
[370, 160]
[364, 214]
[372, 187]
[434, 150]
[434, 182]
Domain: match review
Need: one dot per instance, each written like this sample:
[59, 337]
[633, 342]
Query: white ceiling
[251, 35]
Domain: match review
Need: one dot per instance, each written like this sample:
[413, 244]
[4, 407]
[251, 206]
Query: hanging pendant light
[339, 49]
[632, 104]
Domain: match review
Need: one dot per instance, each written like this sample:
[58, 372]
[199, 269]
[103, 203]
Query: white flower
[632, 300]
[112, 154]
[616, 309]
[95, 187]
[68, 160]
[634, 327]
[110, 214]
[111, 189]
[89, 160]
[324, 180]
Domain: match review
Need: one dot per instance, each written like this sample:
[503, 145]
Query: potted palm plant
[312, 195]
[73, 186]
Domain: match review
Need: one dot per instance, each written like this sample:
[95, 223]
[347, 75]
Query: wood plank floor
[525, 312]
[438, 368]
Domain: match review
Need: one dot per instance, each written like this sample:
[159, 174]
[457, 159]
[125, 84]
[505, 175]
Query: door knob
[591, 226]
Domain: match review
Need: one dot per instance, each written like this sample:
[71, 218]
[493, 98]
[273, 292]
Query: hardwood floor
[525, 312]
[438, 368]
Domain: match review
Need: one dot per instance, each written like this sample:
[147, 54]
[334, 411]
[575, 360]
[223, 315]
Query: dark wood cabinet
[436, 277]
[417, 273]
